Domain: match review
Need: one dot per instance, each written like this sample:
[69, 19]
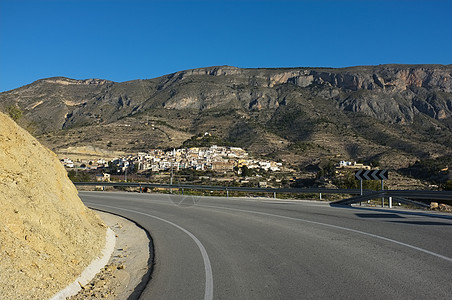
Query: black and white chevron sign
[372, 175]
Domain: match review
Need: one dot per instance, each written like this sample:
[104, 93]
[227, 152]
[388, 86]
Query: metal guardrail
[402, 196]
[434, 195]
[223, 188]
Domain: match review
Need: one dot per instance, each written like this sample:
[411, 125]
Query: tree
[374, 163]
[236, 170]
[75, 176]
[246, 172]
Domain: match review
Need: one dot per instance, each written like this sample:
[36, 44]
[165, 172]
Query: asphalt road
[231, 248]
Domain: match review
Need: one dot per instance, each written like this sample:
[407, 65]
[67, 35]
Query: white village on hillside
[216, 158]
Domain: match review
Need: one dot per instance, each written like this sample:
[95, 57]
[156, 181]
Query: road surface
[238, 248]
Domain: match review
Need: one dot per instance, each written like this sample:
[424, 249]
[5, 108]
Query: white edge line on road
[208, 294]
[337, 227]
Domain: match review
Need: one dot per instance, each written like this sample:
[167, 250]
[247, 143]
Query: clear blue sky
[123, 40]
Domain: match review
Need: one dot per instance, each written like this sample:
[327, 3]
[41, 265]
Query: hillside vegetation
[393, 114]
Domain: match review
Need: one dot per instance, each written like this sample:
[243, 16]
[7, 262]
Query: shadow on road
[400, 212]
[379, 216]
[423, 223]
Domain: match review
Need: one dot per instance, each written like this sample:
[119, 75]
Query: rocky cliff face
[47, 236]
[391, 93]
[406, 105]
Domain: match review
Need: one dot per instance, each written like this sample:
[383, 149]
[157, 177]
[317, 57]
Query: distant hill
[390, 114]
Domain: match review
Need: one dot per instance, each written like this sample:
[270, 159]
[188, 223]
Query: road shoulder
[129, 268]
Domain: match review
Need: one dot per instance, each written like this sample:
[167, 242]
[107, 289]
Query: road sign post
[360, 190]
[360, 187]
[372, 175]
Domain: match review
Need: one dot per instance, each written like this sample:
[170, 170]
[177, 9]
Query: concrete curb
[91, 270]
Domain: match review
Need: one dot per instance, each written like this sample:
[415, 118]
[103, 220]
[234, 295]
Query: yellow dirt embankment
[47, 235]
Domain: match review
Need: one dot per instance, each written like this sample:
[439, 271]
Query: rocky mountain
[394, 114]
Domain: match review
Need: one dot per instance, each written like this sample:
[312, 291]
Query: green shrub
[14, 112]
[448, 186]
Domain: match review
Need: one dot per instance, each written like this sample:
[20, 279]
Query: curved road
[235, 248]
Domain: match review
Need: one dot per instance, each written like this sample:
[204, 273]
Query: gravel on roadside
[129, 268]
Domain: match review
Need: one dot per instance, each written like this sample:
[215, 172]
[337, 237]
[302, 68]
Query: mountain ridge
[361, 112]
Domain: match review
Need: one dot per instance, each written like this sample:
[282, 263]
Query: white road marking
[337, 227]
[208, 293]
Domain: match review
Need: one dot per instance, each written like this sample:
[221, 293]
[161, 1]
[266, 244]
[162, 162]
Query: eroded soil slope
[47, 235]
